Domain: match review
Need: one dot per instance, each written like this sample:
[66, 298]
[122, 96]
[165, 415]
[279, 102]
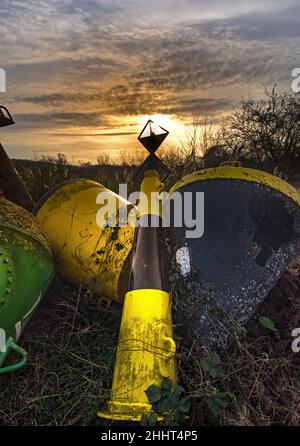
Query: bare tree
[199, 137]
[104, 158]
[265, 131]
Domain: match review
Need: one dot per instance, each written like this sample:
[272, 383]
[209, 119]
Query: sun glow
[165, 121]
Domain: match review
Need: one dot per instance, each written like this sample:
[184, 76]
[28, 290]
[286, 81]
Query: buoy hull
[251, 234]
[26, 271]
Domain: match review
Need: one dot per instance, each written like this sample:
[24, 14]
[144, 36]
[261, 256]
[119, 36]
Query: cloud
[58, 99]
[199, 106]
[83, 135]
[266, 25]
[57, 120]
[95, 64]
[125, 100]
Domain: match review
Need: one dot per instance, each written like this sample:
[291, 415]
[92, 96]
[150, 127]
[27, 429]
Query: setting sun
[166, 121]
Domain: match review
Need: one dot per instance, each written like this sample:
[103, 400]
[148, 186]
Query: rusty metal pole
[11, 185]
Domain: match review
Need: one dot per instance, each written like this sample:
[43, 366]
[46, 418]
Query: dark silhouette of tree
[265, 131]
[215, 155]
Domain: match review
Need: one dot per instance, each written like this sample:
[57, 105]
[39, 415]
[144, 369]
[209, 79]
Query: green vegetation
[169, 405]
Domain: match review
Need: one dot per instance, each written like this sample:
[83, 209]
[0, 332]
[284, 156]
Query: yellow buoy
[146, 348]
[85, 248]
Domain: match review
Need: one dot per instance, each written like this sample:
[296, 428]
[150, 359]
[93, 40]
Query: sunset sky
[83, 76]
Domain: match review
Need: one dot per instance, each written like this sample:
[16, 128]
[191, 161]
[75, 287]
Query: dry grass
[72, 342]
[261, 373]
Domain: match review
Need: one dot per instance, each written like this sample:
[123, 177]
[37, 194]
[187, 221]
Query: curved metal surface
[85, 252]
[26, 271]
[251, 234]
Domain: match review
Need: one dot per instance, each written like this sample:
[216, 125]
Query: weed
[168, 404]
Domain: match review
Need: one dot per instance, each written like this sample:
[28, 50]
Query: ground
[72, 343]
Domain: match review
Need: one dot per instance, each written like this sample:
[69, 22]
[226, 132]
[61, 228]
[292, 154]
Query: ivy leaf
[184, 406]
[267, 323]
[174, 400]
[162, 406]
[178, 391]
[166, 383]
[152, 419]
[213, 406]
[169, 421]
[181, 417]
[216, 372]
[222, 399]
[144, 420]
[175, 397]
[153, 393]
[165, 393]
[217, 403]
[211, 365]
